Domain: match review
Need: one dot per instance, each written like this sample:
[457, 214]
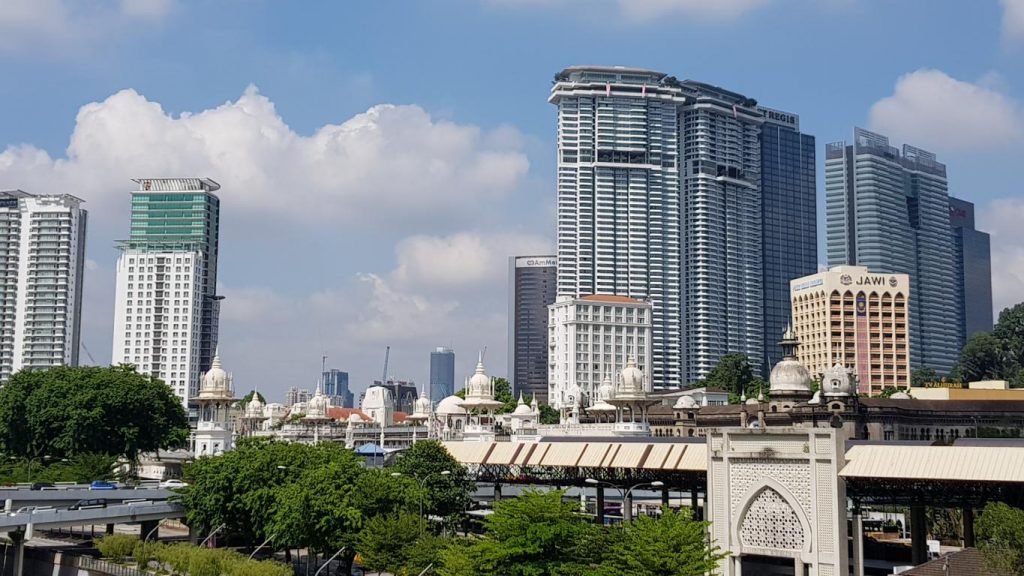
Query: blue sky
[349, 225]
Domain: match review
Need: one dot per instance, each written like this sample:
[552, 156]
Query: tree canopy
[732, 374]
[65, 412]
[996, 355]
[1000, 530]
[446, 494]
[672, 545]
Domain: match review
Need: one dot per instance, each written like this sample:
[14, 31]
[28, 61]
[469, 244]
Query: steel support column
[918, 535]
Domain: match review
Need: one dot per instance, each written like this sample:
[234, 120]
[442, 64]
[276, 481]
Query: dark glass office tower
[533, 284]
[442, 374]
[336, 387]
[789, 220]
[973, 263]
[888, 209]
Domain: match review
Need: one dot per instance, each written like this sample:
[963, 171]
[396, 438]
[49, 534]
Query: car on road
[42, 485]
[90, 503]
[102, 485]
[173, 483]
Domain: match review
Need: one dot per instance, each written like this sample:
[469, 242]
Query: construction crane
[384, 376]
[86, 350]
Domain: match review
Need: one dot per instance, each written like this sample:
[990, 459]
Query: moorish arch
[771, 518]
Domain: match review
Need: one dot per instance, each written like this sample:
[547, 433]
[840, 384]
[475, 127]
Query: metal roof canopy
[898, 472]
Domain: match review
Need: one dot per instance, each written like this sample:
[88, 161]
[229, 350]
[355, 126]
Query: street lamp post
[265, 542]
[215, 530]
[423, 483]
[628, 512]
[599, 497]
[329, 560]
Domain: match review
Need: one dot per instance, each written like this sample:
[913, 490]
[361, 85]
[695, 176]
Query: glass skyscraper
[336, 388]
[789, 220]
[442, 374]
[532, 287]
[663, 196]
[166, 313]
[973, 259]
[889, 211]
[619, 199]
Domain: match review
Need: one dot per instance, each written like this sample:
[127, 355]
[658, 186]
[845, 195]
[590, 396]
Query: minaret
[213, 432]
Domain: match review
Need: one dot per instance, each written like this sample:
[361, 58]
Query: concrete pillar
[693, 504]
[918, 535]
[497, 491]
[148, 530]
[798, 567]
[968, 516]
[858, 541]
[18, 539]
[600, 504]
[664, 496]
[627, 507]
[737, 566]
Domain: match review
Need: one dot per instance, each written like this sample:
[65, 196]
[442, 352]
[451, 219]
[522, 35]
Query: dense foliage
[81, 468]
[400, 544]
[996, 355]
[445, 495]
[538, 534]
[65, 412]
[1000, 531]
[185, 559]
[734, 374]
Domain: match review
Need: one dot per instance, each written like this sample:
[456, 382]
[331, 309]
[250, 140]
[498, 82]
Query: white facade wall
[590, 339]
[157, 316]
[42, 239]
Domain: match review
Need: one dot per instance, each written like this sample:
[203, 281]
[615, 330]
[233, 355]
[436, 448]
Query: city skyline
[412, 270]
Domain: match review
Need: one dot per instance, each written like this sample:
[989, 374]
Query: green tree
[536, 534]
[318, 510]
[922, 376]
[503, 394]
[1000, 530]
[732, 374]
[398, 543]
[548, 415]
[446, 494]
[1010, 332]
[64, 412]
[672, 545]
[982, 358]
[239, 488]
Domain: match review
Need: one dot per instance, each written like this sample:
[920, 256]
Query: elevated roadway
[64, 496]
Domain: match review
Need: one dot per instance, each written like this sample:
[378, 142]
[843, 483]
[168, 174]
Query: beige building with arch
[861, 320]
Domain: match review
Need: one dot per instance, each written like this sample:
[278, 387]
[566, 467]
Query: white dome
[479, 385]
[421, 407]
[317, 406]
[216, 381]
[685, 401]
[450, 406]
[790, 377]
[606, 391]
[254, 409]
[356, 418]
[751, 401]
[522, 408]
[901, 396]
[836, 381]
[631, 379]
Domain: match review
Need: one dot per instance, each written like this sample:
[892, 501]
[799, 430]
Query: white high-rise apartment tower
[619, 196]
[42, 243]
[165, 315]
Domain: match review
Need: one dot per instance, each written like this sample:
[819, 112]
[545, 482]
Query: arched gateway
[766, 489]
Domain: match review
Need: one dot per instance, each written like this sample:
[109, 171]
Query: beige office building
[853, 317]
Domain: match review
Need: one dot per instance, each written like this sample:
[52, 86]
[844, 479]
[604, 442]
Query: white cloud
[930, 109]
[463, 261]
[1013, 19]
[65, 26]
[648, 10]
[1002, 219]
[384, 167]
